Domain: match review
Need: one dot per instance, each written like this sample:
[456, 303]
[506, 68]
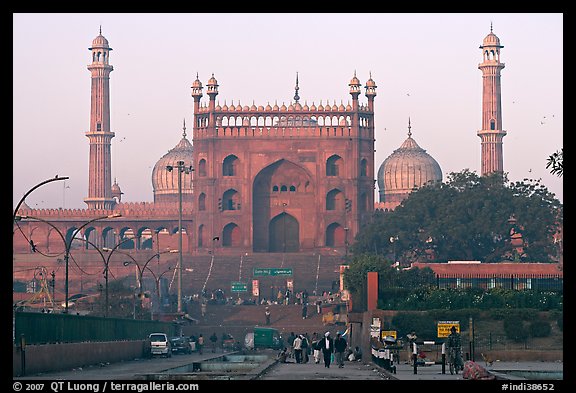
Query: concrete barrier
[42, 358]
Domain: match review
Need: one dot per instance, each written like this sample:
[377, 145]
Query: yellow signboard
[445, 326]
[386, 333]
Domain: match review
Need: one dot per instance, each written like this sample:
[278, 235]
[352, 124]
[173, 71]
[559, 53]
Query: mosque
[268, 180]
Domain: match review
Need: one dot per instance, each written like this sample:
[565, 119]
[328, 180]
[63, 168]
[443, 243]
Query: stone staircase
[314, 272]
[238, 320]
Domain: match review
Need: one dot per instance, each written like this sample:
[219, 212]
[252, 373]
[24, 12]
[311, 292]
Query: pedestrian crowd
[320, 348]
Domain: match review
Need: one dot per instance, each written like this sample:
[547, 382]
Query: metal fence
[540, 282]
[43, 328]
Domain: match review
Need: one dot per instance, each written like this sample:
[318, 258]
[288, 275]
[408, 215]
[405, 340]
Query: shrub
[514, 328]
[421, 323]
[539, 328]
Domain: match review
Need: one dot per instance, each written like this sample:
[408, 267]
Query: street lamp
[186, 169]
[106, 267]
[140, 268]
[393, 240]
[56, 178]
[67, 244]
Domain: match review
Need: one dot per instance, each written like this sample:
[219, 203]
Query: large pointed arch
[269, 202]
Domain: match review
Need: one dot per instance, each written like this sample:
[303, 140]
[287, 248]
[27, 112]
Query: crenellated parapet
[126, 209]
[64, 213]
[135, 209]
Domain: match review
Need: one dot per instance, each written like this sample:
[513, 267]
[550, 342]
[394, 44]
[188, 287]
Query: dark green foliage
[515, 329]
[560, 323]
[555, 163]
[539, 328]
[466, 218]
[424, 325]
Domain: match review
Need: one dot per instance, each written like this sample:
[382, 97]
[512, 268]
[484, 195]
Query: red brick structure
[282, 178]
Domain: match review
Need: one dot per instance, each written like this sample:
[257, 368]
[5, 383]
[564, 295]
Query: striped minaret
[491, 133]
[100, 167]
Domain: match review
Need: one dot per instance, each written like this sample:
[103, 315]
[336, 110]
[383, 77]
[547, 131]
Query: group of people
[323, 348]
[225, 340]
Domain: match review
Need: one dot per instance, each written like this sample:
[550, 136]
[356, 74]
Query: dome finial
[184, 128]
[100, 29]
[409, 127]
[296, 96]
[490, 26]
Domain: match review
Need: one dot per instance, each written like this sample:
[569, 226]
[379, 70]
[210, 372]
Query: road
[140, 369]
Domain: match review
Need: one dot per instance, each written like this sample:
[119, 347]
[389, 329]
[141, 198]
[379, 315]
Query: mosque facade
[260, 178]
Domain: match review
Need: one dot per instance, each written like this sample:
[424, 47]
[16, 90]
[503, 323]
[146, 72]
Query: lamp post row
[68, 243]
[187, 170]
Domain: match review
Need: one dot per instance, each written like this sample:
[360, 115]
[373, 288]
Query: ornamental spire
[296, 96]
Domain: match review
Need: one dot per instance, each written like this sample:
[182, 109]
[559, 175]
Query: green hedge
[473, 298]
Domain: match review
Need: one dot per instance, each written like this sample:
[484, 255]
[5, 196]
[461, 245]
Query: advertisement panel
[445, 326]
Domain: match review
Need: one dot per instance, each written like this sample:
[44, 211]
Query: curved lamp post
[67, 244]
[106, 261]
[157, 279]
[35, 187]
[141, 268]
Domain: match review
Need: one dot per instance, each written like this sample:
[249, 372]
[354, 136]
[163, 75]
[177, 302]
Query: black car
[180, 345]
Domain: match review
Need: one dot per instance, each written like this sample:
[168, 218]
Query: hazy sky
[424, 64]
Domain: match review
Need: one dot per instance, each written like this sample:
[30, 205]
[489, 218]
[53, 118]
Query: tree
[465, 218]
[556, 163]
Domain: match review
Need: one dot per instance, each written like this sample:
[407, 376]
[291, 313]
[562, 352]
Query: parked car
[181, 345]
[159, 345]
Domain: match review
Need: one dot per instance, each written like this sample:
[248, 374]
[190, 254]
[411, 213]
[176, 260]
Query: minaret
[491, 133]
[100, 168]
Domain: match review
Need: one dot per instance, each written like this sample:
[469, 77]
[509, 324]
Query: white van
[159, 344]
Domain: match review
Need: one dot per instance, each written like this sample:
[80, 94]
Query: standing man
[327, 347]
[200, 343]
[203, 308]
[298, 348]
[340, 345]
[267, 315]
[213, 339]
[319, 306]
[304, 310]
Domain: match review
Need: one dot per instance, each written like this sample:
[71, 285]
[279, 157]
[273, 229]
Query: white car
[160, 345]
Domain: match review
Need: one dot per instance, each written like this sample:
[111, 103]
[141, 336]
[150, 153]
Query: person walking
[304, 310]
[298, 348]
[340, 345]
[203, 308]
[305, 344]
[316, 347]
[319, 306]
[267, 315]
[213, 340]
[327, 347]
